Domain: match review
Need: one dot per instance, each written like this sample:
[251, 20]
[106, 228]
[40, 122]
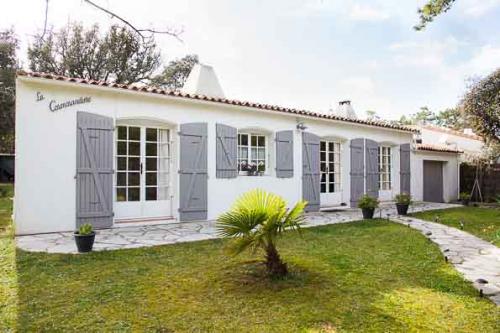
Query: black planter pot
[368, 213]
[465, 202]
[402, 209]
[84, 243]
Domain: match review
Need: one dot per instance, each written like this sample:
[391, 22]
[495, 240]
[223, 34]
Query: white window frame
[249, 147]
[163, 163]
[385, 168]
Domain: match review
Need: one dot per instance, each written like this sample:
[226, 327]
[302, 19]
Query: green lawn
[357, 277]
[482, 222]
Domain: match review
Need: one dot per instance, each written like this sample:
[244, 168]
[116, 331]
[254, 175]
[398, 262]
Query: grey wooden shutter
[372, 168]
[94, 170]
[357, 170]
[310, 171]
[284, 154]
[404, 168]
[226, 151]
[193, 178]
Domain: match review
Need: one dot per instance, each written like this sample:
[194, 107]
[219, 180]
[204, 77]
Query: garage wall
[450, 173]
[46, 146]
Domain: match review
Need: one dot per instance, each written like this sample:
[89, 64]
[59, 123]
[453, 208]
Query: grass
[479, 221]
[368, 276]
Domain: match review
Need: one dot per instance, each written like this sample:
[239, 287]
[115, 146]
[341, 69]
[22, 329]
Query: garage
[433, 181]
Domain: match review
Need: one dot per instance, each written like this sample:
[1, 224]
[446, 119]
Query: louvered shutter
[357, 173]
[284, 154]
[404, 168]
[310, 171]
[372, 168]
[94, 170]
[193, 179]
[226, 151]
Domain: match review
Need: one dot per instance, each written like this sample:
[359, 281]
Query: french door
[330, 172]
[143, 163]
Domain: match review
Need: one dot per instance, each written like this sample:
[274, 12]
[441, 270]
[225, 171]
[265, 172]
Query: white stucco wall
[470, 146]
[46, 147]
[450, 173]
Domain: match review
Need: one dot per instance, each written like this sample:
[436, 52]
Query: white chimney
[344, 109]
[203, 81]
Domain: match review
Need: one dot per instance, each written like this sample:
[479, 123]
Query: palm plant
[256, 221]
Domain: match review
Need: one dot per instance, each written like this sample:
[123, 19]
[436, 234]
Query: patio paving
[476, 259]
[126, 237]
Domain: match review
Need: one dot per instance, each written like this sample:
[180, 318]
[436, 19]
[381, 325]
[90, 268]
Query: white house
[467, 142]
[105, 153]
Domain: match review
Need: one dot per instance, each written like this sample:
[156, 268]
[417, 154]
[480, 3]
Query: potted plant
[465, 198]
[368, 205]
[403, 201]
[84, 238]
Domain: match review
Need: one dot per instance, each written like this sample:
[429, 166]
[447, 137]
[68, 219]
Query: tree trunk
[275, 267]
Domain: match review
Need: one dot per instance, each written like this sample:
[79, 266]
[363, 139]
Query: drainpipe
[458, 176]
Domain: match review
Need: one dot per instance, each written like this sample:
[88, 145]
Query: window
[385, 167]
[252, 153]
[330, 167]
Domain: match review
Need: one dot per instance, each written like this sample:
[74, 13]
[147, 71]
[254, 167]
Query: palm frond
[257, 219]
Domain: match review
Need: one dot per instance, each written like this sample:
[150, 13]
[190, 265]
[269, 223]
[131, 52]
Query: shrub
[85, 229]
[256, 221]
[464, 196]
[403, 199]
[367, 201]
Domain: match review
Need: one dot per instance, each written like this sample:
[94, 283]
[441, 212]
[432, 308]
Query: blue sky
[311, 53]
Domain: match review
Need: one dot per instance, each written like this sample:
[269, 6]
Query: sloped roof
[451, 132]
[438, 148]
[180, 94]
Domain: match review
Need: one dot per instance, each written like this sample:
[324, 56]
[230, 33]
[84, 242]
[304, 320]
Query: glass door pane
[128, 160]
[323, 164]
[157, 158]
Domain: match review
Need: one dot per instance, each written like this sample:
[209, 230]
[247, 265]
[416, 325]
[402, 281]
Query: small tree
[175, 74]
[482, 106]
[8, 66]
[256, 221]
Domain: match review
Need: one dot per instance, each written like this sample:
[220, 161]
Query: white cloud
[477, 8]
[362, 12]
[424, 53]
[484, 61]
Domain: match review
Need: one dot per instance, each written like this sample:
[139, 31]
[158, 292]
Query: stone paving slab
[476, 259]
[171, 233]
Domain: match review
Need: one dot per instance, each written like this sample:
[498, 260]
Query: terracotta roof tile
[438, 148]
[181, 94]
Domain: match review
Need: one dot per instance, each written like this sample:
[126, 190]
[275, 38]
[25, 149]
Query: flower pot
[368, 213]
[465, 202]
[402, 208]
[84, 243]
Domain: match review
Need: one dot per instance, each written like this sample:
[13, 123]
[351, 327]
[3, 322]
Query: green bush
[367, 201]
[464, 196]
[403, 199]
[85, 229]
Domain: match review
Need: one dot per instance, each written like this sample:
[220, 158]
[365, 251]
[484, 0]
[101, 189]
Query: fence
[488, 179]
